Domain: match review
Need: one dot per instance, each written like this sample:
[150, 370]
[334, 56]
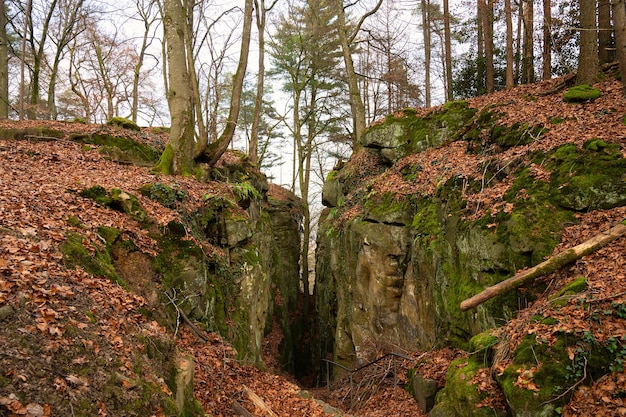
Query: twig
[188, 322]
[580, 381]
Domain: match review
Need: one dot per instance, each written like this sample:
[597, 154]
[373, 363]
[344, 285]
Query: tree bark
[588, 65]
[427, 51]
[253, 146]
[217, 149]
[480, 47]
[606, 52]
[547, 42]
[178, 156]
[38, 58]
[509, 80]
[619, 19]
[598, 241]
[4, 63]
[356, 102]
[448, 50]
[528, 59]
[488, 34]
[27, 17]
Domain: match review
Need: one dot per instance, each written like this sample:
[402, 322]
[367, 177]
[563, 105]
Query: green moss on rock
[36, 132]
[163, 194]
[460, 396]
[581, 93]
[120, 148]
[590, 178]
[119, 200]
[100, 263]
[124, 123]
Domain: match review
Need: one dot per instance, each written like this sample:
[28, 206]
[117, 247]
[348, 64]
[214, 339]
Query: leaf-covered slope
[88, 248]
[506, 181]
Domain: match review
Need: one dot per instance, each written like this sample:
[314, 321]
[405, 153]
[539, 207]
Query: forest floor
[38, 183]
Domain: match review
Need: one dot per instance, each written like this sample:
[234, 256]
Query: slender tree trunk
[518, 42]
[448, 50]
[528, 60]
[356, 102]
[4, 63]
[178, 156]
[38, 58]
[108, 87]
[509, 80]
[619, 20]
[605, 50]
[137, 73]
[547, 40]
[27, 17]
[488, 33]
[480, 47]
[218, 148]
[203, 136]
[588, 66]
[253, 146]
[427, 50]
[54, 72]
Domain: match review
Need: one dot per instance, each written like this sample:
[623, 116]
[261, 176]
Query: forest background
[292, 83]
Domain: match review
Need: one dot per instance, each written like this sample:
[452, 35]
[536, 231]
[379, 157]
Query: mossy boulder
[386, 208]
[124, 123]
[482, 347]
[35, 133]
[590, 178]
[163, 194]
[406, 133]
[515, 135]
[461, 396]
[332, 193]
[119, 200]
[581, 93]
[119, 148]
[76, 252]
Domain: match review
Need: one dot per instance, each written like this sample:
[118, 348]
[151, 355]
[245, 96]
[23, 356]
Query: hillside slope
[438, 204]
[103, 262]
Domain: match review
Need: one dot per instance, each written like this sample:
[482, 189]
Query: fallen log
[557, 261]
[258, 401]
[240, 411]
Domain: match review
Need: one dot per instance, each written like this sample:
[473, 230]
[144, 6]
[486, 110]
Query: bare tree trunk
[488, 34]
[518, 42]
[509, 80]
[38, 59]
[178, 156]
[4, 63]
[480, 47]
[217, 149]
[203, 136]
[619, 19]
[528, 59]
[145, 11]
[448, 50]
[253, 146]
[427, 50]
[547, 40]
[605, 51]
[27, 17]
[588, 66]
[356, 102]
